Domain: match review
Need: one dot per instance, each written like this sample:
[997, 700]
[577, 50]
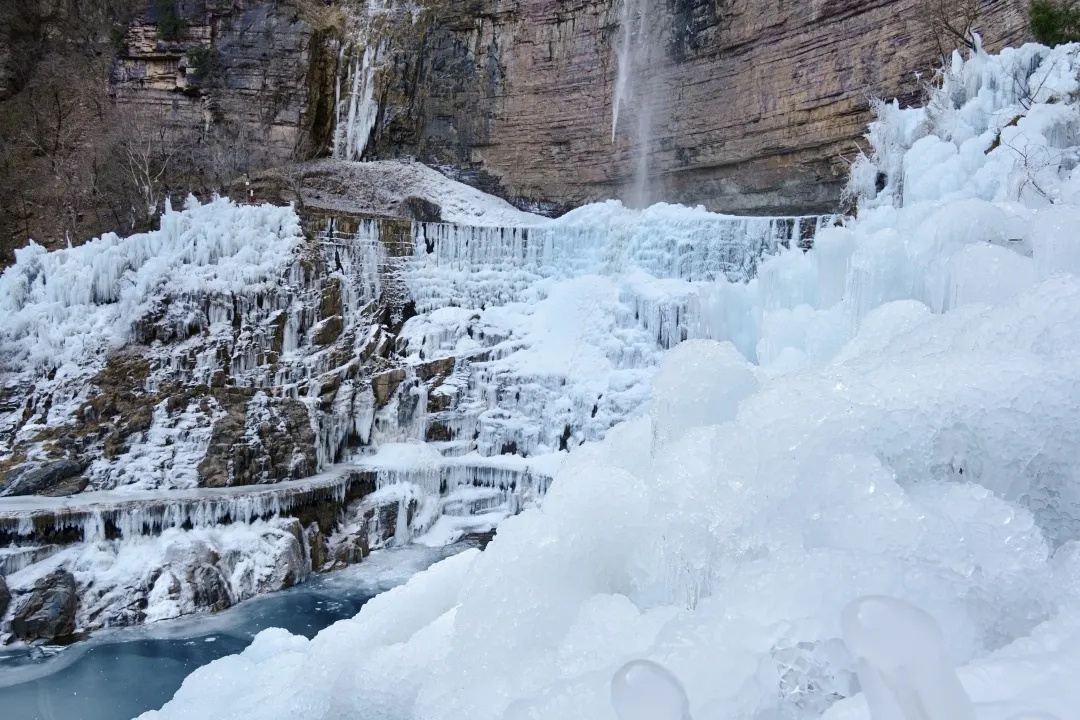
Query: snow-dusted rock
[48, 612]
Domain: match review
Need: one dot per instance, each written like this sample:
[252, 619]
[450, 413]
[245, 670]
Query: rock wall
[107, 106]
[238, 66]
[753, 103]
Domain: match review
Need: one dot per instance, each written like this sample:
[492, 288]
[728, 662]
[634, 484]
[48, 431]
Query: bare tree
[146, 144]
[1034, 161]
[54, 182]
[951, 23]
[47, 131]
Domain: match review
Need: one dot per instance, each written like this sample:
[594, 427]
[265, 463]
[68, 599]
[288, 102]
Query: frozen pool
[119, 674]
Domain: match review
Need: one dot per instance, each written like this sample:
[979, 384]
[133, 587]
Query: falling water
[639, 194]
[627, 14]
[633, 82]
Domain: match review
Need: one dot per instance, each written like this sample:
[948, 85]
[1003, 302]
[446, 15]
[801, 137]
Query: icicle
[357, 114]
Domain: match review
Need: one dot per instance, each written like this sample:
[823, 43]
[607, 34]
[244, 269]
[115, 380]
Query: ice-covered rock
[5, 597]
[143, 579]
[205, 372]
[48, 611]
[50, 478]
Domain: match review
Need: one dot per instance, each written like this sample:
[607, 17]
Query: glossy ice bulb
[644, 690]
[901, 662]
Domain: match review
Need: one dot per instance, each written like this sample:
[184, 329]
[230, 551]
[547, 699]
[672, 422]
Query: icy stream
[121, 674]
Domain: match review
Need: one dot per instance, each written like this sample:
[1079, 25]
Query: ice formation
[357, 110]
[905, 424]
[644, 690]
[131, 513]
[528, 341]
[143, 579]
[553, 331]
[903, 669]
[64, 306]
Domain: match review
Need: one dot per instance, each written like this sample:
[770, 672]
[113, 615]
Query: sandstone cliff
[753, 104]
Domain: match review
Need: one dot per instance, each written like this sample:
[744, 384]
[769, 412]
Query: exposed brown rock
[316, 542]
[436, 369]
[385, 384]
[438, 432]
[753, 102]
[368, 526]
[421, 210]
[330, 302]
[5, 596]
[71, 486]
[439, 401]
[481, 539]
[245, 452]
[243, 65]
[33, 479]
[328, 330]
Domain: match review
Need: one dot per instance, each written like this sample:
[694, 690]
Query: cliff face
[752, 102]
[751, 105]
[240, 68]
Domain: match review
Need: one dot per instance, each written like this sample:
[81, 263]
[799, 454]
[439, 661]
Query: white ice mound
[645, 690]
[901, 660]
[700, 382]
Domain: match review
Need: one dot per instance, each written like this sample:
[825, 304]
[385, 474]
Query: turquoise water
[117, 675]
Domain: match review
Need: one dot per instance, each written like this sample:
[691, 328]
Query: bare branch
[950, 22]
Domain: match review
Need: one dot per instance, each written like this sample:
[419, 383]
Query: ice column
[356, 114]
[901, 662]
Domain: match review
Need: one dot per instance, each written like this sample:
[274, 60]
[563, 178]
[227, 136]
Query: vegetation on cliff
[1054, 22]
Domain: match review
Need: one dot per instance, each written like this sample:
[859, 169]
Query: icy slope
[63, 306]
[380, 188]
[901, 418]
[156, 378]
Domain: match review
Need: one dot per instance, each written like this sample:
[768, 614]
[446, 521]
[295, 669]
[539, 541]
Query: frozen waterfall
[357, 110]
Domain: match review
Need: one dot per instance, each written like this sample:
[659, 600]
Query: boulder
[328, 330]
[385, 384]
[421, 210]
[64, 488]
[5, 596]
[210, 589]
[34, 479]
[49, 612]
